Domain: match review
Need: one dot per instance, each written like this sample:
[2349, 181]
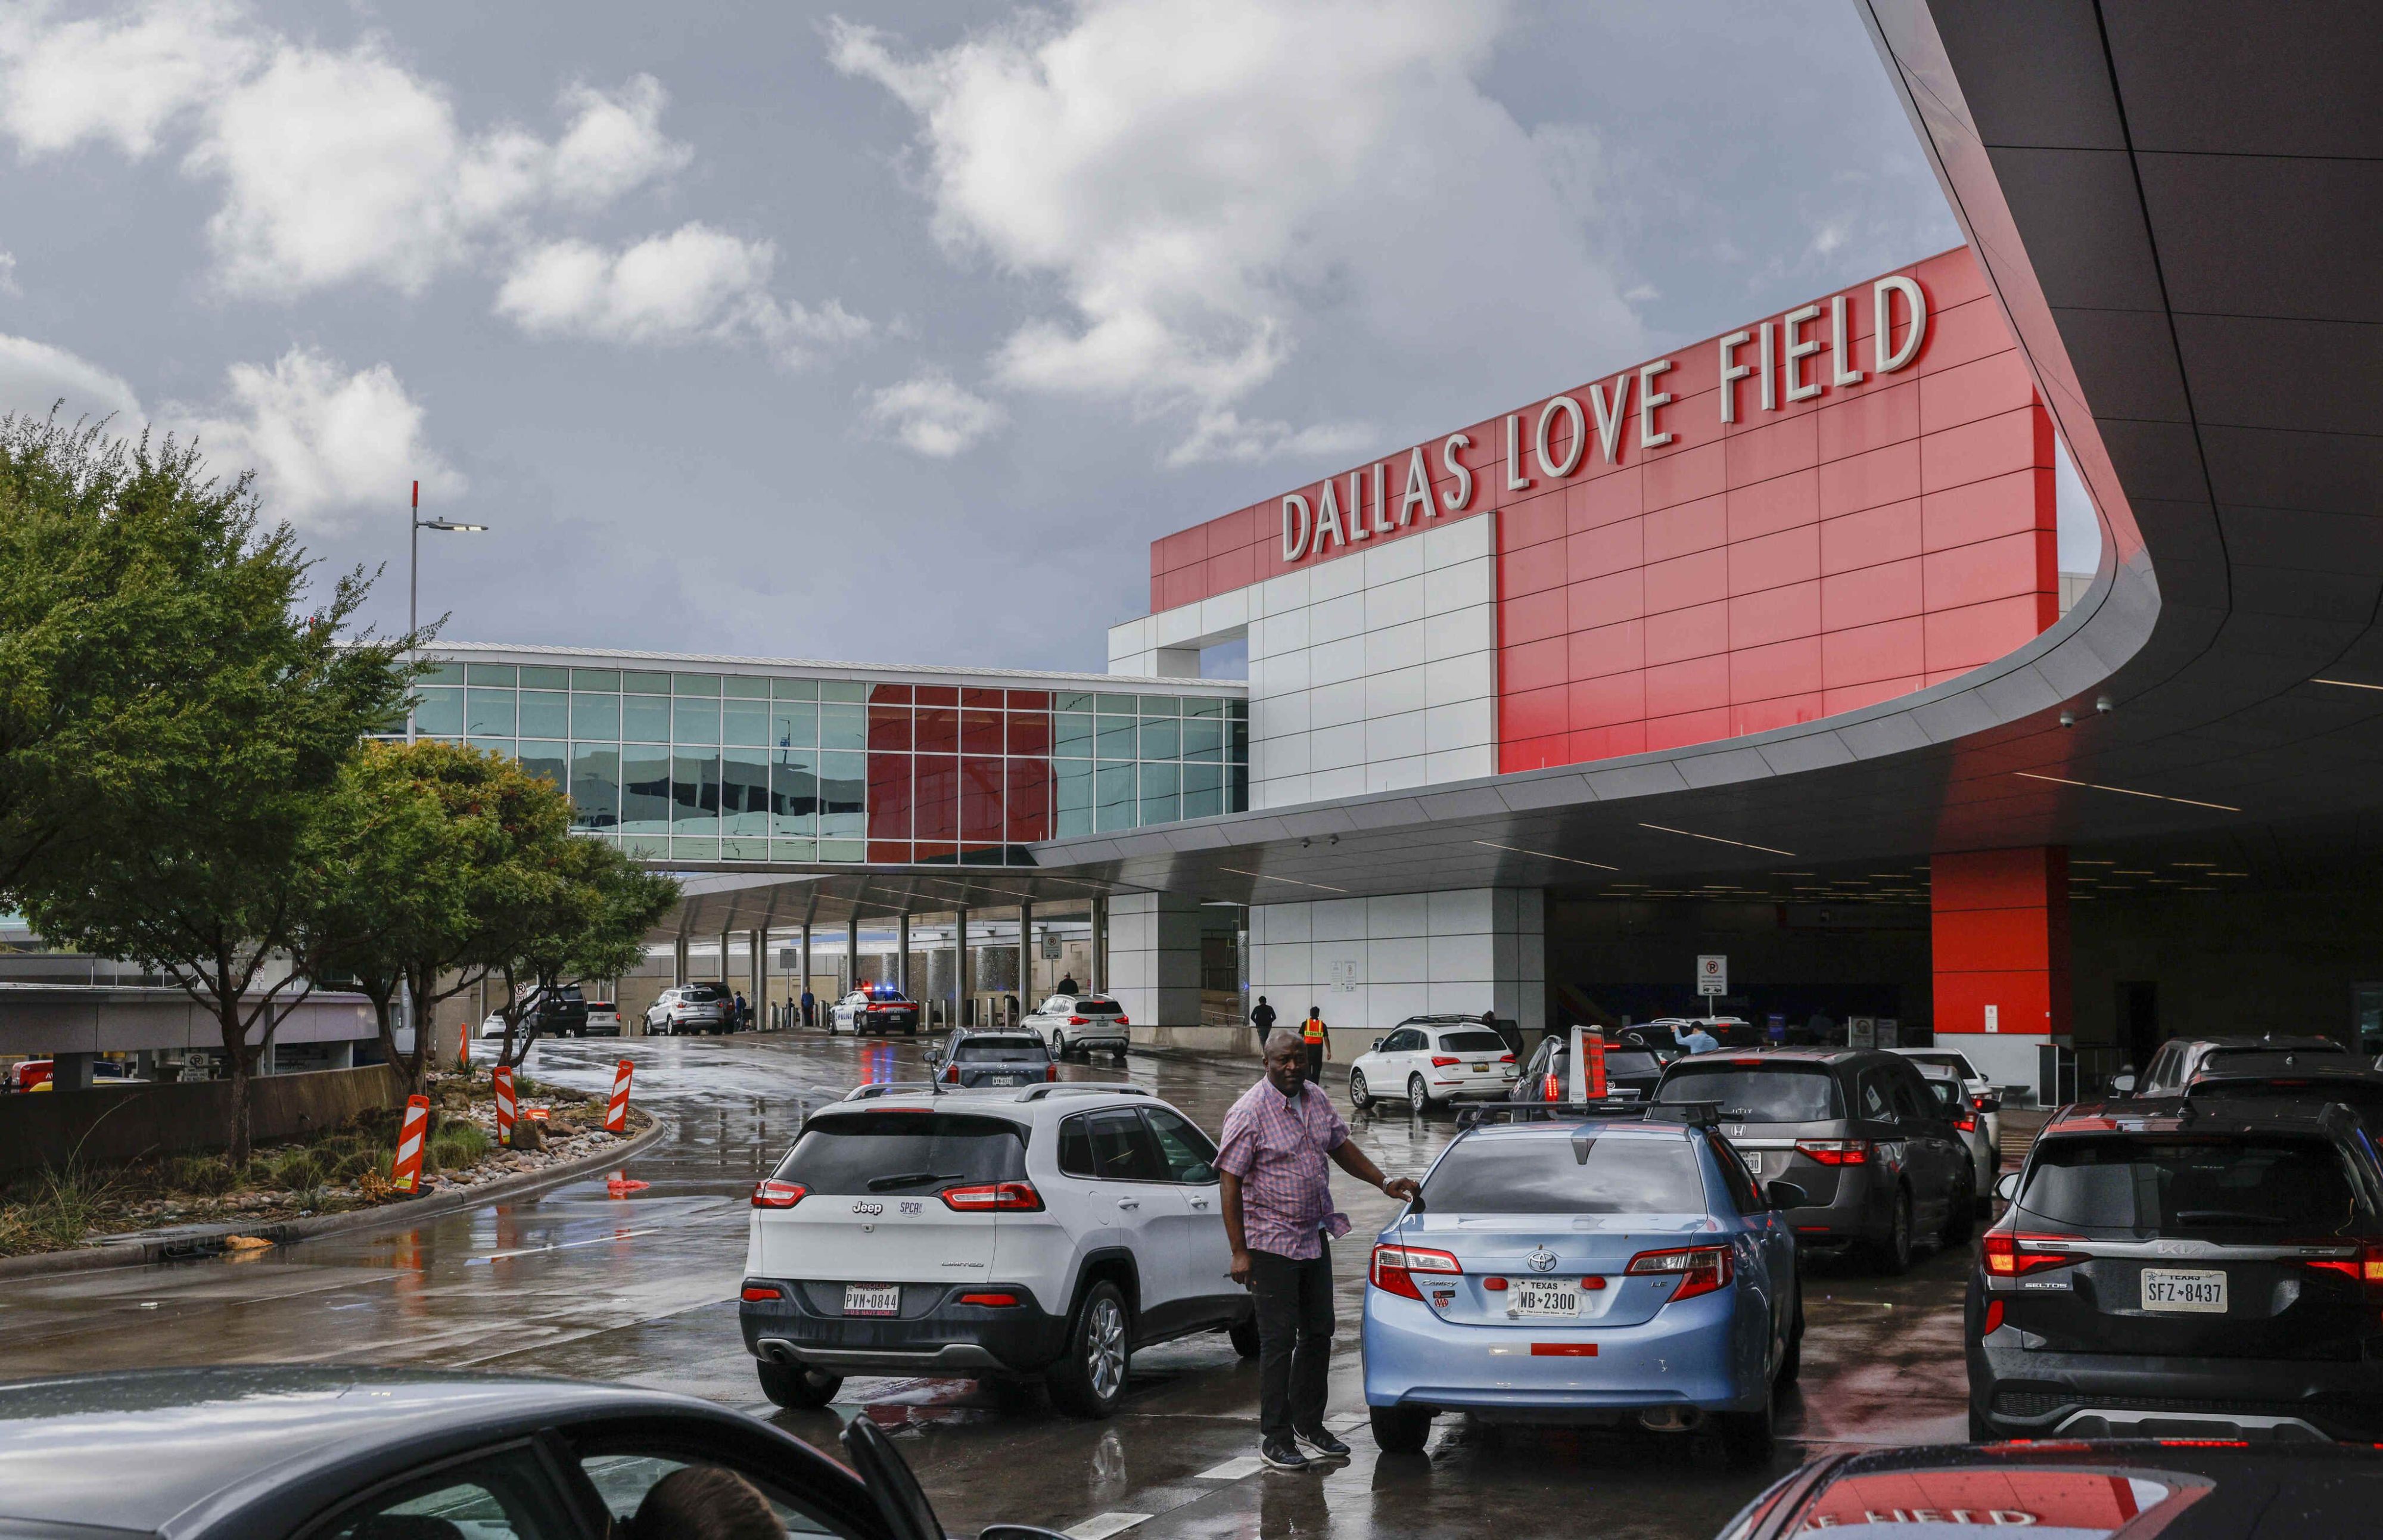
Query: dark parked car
[366, 1454]
[2293, 1076]
[2178, 1489]
[1630, 1071]
[1857, 1128]
[2185, 1268]
[969, 1058]
[2179, 1059]
[557, 1013]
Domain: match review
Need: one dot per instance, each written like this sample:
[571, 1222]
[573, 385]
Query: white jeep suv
[1004, 1235]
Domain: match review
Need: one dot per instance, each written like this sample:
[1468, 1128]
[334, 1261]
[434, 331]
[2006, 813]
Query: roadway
[642, 1288]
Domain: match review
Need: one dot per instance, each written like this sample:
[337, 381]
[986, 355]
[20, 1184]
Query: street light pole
[414, 577]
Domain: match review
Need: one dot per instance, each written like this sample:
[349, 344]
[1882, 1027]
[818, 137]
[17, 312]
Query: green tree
[156, 801]
[589, 921]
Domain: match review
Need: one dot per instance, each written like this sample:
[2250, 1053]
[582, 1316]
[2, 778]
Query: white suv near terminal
[1041, 1234]
[1078, 1024]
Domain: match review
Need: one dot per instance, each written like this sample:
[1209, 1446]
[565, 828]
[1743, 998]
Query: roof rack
[1081, 1088]
[871, 1092]
[1700, 1115]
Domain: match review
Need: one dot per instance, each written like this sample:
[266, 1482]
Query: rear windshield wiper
[912, 1178]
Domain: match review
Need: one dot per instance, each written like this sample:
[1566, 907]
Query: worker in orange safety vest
[1318, 1039]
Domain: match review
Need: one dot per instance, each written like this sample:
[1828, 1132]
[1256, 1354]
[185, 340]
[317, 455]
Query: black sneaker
[1283, 1456]
[1322, 1444]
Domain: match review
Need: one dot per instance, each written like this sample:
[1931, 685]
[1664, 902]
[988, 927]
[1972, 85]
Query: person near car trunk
[740, 1015]
[1262, 1022]
[1068, 985]
[1696, 1040]
[1276, 1194]
[1318, 1038]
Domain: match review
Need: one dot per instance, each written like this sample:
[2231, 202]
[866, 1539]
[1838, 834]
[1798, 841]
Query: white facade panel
[1393, 562]
[1458, 764]
[1437, 953]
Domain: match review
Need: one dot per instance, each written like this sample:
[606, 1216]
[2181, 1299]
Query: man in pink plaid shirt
[1278, 1201]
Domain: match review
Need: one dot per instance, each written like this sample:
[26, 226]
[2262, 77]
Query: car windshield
[1018, 1049]
[698, 993]
[862, 1152]
[1953, 1062]
[1613, 1174]
[1086, 1007]
[2171, 1185]
[1472, 1043]
[2363, 1096]
[1624, 1062]
[1947, 1093]
[2216, 1056]
[1767, 1093]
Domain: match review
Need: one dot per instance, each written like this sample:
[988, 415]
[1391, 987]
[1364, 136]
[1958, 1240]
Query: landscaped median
[343, 1171]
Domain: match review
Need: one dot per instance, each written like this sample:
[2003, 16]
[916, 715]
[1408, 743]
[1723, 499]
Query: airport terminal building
[1755, 650]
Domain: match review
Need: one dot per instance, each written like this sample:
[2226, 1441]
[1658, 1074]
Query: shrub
[298, 1170]
[454, 1147]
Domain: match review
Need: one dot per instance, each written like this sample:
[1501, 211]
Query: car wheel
[1245, 1336]
[1962, 1216]
[1400, 1429]
[1746, 1436]
[1058, 1043]
[1792, 1366]
[1359, 1097]
[1089, 1379]
[1892, 1253]
[791, 1385]
[1418, 1098]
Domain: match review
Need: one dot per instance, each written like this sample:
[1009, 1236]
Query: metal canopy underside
[2179, 204]
[756, 900]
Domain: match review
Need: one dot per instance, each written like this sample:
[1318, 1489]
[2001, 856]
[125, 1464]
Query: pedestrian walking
[1511, 1034]
[1262, 1022]
[1318, 1039]
[741, 1016]
[809, 1004]
[1277, 1195]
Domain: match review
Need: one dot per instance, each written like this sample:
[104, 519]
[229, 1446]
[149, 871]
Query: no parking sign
[1713, 974]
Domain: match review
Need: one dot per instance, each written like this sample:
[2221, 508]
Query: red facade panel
[981, 805]
[938, 815]
[1999, 941]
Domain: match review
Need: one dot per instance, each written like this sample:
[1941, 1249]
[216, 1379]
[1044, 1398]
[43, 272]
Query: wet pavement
[642, 1287]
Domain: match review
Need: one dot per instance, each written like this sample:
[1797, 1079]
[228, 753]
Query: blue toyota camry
[1581, 1264]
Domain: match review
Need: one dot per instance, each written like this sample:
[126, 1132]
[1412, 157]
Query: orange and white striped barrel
[405, 1171]
[503, 1077]
[616, 1117]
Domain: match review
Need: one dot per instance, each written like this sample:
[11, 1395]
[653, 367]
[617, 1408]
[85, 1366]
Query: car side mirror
[900, 1500]
[2124, 1085]
[1990, 1104]
[2007, 1187]
[1377, 1043]
[1786, 1195]
[934, 1055]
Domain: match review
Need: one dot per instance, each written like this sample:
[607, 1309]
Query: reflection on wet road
[642, 1287]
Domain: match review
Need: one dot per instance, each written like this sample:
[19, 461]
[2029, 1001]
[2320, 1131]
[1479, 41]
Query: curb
[207, 1240]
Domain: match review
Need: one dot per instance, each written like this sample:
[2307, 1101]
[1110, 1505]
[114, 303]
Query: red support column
[2000, 942]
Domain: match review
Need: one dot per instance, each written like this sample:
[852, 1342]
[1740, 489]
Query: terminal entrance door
[2137, 1022]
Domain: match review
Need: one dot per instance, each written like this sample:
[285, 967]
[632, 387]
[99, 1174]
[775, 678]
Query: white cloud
[694, 284]
[931, 414]
[36, 376]
[324, 442]
[1207, 179]
[8, 273]
[120, 79]
[344, 166]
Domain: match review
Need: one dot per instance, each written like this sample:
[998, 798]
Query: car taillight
[1835, 1151]
[996, 1301]
[1966, 1123]
[991, 1196]
[1125, 1021]
[1994, 1319]
[1050, 1072]
[771, 1193]
[1443, 1061]
[1548, 1089]
[1505, 1058]
[952, 1073]
[756, 1294]
[1077, 1021]
[1700, 1269]
[2011, 1254]
[2366, 1266]
[1394, 1267]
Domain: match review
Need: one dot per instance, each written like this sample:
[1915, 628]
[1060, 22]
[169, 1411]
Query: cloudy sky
[891, 331]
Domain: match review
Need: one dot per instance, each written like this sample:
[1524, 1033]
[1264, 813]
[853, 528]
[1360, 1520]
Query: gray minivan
[1856, 1128]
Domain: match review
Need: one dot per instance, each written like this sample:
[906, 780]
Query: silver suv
[1080, 1023]
[690, 1008]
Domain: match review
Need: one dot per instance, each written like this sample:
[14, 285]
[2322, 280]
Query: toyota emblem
[1542, 1260]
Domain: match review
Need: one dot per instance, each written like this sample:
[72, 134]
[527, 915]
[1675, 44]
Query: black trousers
[1294, 1302]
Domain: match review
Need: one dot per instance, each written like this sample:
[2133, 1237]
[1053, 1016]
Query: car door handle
[1129, 1202]
[1199, 1202]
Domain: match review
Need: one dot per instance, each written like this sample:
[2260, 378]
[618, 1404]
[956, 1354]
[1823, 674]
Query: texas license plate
[1544, 1299]
[1008, 1079]
[1753, 1160]
[2197, 1292]
[872, 1298]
